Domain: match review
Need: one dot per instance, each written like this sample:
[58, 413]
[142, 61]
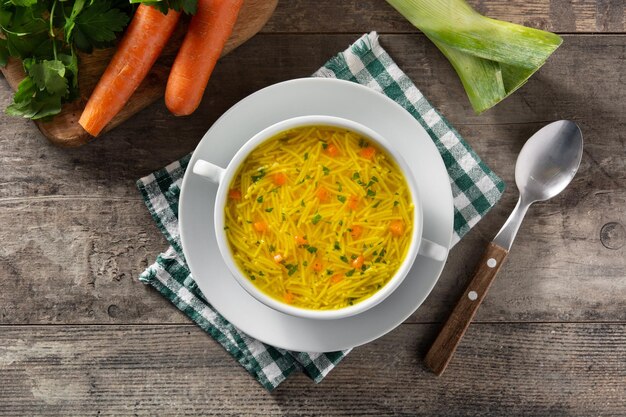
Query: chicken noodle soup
[318, 217]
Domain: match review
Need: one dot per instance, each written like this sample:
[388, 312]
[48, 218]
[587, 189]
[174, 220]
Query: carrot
[317, 265]
[396, 228]
[288, 297]
[260, 226]
[322, 195]
[356, 231]
[358, 262]
[353, 202]
[280, 178]
[300, 240]
[140, 47]
[332, 150]
[208, 32]
[234, 194]
[368, 152]
[337, 278]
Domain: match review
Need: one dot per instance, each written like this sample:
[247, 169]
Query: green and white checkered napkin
[474, 186]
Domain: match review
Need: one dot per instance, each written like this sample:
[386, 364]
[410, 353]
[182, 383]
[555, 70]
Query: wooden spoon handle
[450, 335]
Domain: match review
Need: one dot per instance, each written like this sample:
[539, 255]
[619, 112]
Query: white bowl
[224, 176]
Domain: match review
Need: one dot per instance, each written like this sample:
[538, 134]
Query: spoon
[545, 166]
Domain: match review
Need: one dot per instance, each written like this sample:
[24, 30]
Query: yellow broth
[319, 217]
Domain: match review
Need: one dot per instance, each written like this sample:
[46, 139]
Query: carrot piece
[356, 232]
[358, 262]
[323, 195]
[300, 240]
[353, 202]
[368, 152]
[260, 226]
[396, 228]
[278, 258]
[280, 178]
[317, 265]
[337, 278]
[332, 150]
[288, 297]
[234, 194]
[208, 32]
[140, 47]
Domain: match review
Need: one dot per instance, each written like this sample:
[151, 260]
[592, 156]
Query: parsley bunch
[46, 35]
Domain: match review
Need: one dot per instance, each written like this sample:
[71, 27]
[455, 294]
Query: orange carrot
[234, 194]
[300, 240]
[260, 226]
[140, 47]
[368, 152]
[396, 228]
[358, 262]
[322, 195]
[356, 232]
[337, 278]
[332, 150]
[280, 178]
[288, 297]
[353, 202]
[317, 265]
[208, 32]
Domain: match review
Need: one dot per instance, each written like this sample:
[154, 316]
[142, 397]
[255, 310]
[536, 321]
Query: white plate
[281, 101]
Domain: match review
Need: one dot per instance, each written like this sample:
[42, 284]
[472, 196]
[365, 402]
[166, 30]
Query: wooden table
[79, 335]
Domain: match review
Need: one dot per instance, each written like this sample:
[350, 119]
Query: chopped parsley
[306, 156]
[350, 272]
[329, 272]
[344, 259]
[371, 193]
[302, 203]
[312, 249]
[316, 219]
[269, 209]
[326, 170]
[260, 174]
[341, 198]
[375, 205]
[291, 269]
[374, 179]
[396, 203]
[259, 199]
[272, 248]
[324, 145]
[339, 187]
[356, 176]
[337, 247]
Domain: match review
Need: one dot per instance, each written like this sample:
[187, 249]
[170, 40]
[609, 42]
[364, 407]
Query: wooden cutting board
[64, 130]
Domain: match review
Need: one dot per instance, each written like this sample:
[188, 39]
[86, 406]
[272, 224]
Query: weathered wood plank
[363, 16]
[531, 370]
[75, 234]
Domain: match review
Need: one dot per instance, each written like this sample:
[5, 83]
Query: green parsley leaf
[259, 199]
[371, 193]
[350, 272]
[396, 203]
[341, 198]
[96, 25]
[260, 174]
[356, 176]
[306, 156]
[344, 258]
[326, 170]
[269, 209]
[316, 219]
[336, 246]
[312, 249]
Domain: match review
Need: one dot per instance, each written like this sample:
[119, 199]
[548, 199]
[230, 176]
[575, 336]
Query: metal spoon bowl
[546, 165]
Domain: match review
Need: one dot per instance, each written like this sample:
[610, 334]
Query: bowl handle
[432, 250]
[209, 171]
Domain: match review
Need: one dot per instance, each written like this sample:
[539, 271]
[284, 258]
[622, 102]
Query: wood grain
[580, 16]
[512, 370]
[450, 335]
[558, 268]
[64, 130]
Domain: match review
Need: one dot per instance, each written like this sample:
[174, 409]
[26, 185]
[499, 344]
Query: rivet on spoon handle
[452, 332]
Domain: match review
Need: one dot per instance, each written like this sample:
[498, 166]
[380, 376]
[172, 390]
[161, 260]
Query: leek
[492, 58]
